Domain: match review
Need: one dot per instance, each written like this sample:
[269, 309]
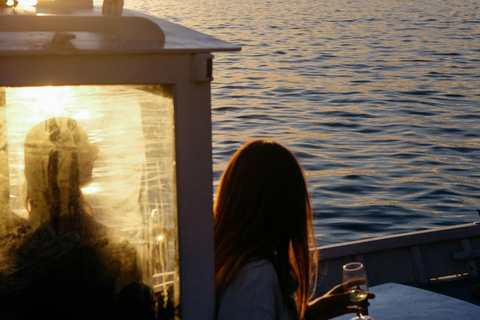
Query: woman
[263, 232]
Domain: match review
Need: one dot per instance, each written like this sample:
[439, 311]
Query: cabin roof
[87, 31]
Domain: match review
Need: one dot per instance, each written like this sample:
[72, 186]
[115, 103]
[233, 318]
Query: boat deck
[456, 288]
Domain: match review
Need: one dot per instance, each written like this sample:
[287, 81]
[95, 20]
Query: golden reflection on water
[367, 88]
[342, 172]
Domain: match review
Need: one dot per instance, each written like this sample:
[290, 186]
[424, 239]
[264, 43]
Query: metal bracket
[202, 65]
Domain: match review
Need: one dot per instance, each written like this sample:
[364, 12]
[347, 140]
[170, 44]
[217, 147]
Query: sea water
[379, 100]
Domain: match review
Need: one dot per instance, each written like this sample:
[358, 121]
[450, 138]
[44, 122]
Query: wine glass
[355, 271]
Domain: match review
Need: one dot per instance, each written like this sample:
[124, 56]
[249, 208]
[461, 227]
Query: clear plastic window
[87, 200]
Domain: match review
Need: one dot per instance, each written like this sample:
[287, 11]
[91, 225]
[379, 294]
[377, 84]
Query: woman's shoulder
[254, 293]
[258, 265]
[256, 273]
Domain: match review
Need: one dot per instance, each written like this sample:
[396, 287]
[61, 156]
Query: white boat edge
[414, 258]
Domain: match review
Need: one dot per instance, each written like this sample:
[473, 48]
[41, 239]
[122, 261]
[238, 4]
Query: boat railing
[413, 258]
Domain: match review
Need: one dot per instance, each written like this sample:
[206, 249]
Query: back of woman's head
[261, 195]
[262, 208]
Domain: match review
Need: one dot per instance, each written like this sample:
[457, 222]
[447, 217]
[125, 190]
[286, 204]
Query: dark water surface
[378, 99]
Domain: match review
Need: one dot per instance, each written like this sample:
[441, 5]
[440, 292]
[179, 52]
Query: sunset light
[219, 160]
[45, 101]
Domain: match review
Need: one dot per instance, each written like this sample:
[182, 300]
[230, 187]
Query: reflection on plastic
[110, 150]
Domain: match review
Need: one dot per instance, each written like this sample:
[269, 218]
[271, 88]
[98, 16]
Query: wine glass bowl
[359, 292]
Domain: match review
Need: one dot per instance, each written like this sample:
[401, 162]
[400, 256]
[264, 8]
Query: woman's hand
[335, 302]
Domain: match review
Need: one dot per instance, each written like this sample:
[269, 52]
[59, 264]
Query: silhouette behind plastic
[66, 266]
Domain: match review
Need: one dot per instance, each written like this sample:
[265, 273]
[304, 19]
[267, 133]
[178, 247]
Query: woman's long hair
[263, 210]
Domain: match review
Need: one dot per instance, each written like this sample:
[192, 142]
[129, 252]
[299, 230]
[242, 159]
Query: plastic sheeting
[131, 193]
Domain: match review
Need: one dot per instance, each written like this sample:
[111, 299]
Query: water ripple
[379, 100]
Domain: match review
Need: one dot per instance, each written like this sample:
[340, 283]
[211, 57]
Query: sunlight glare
[92, 188]
[24, 6]
[52, 101]
[47, 102]
[27, 2]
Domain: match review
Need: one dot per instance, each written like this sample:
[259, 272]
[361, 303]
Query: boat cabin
[106, 159]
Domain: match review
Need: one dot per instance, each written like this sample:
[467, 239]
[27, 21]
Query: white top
[254, 294]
